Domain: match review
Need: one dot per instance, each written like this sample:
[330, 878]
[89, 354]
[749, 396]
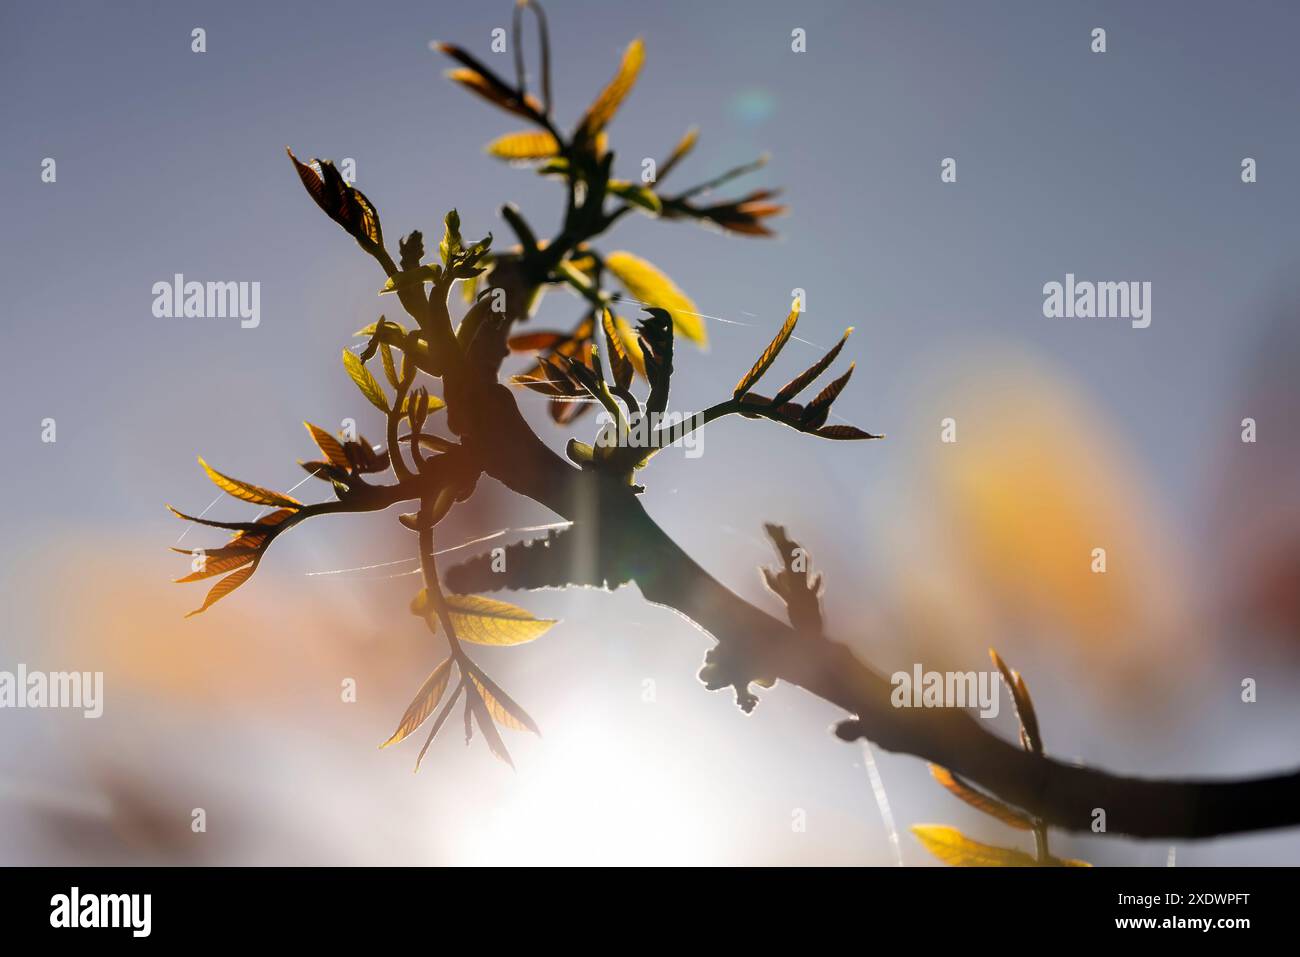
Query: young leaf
[484, 720]
[219, 565]
[441, 720]
[485, 621]
[645, 283]
[953, 847]
[247, 491]
[254, 536]
[534, 341]
[844, 433]
[1025, 714]
[684, 146]
[426, 699]
[411, 278]
[394, 333]
[502, 707]
[981, 801]
[627, 335]
[769, 354]
[328, 445]
[224, 587]
[606, 105]
[803, 379]
[342, 203]
[434, 404]
[1030, 737]
[636, 194]
[451, 242]
[364, 380]
[815, 414]
[479, 79]
[521, 147]
[616, 354]
[390, 369]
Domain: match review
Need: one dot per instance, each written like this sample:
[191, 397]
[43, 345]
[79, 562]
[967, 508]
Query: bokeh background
[1071, 434]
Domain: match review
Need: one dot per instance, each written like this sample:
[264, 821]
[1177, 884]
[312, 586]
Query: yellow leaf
[435, 404]
[426, 699]
[527, 145]
[953, 847]
[329, 446]
[684, 146]
[364, 380]
[504, 711]
[636, 194]
[770, 353]
[980, 801]
[485, 621]
[390, 369]
[247, 491]
[645, 283]
[606, 105]
[630, 344]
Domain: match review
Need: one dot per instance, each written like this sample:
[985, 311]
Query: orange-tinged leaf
[1025, 714]
[770, 353]
[611, 98]
[218, 566]
[477, 78]
[329, 446]
[646, 284]
[803, 379]
[844, 433]
[533, 341]
[224, 587]
[255, 537]
[815, 413]
[1029, 734]
[620, 363]
[426, 699]
[980, 801]
[684, 146]
[523, 146]
[247, 491]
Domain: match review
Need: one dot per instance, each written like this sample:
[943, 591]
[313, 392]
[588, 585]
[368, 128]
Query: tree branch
[626, 544]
